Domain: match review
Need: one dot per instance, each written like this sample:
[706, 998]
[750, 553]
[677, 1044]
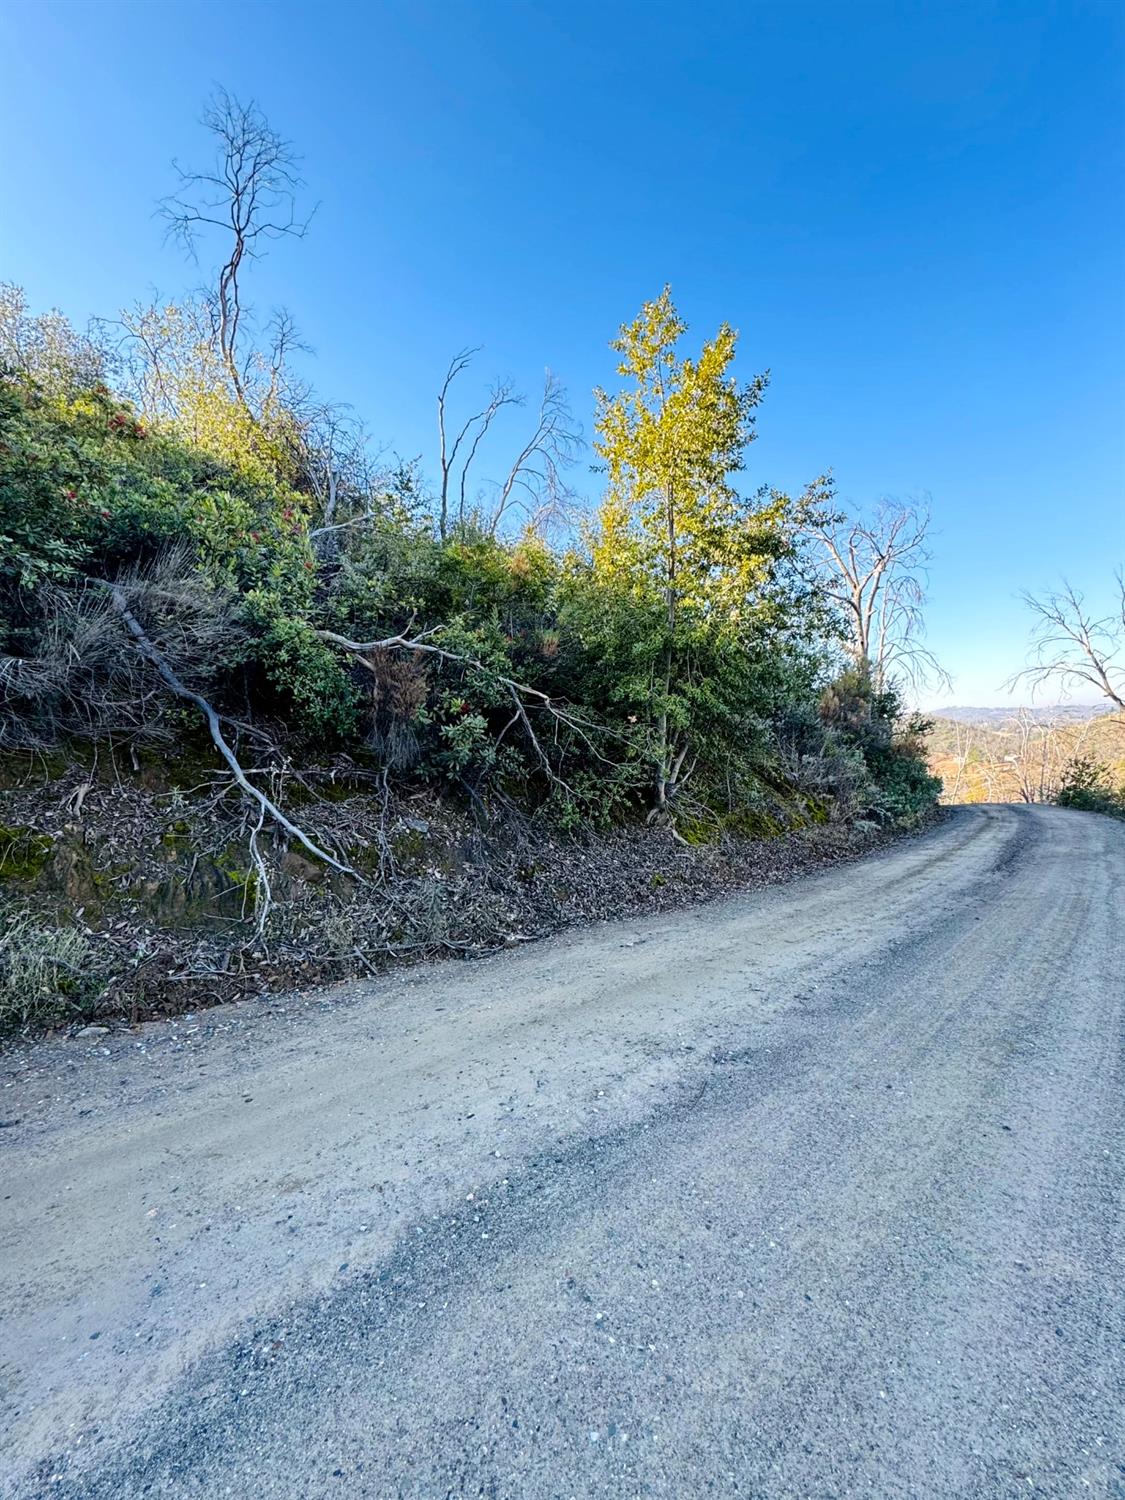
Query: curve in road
[813, 1192]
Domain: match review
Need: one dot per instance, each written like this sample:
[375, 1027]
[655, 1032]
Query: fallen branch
[169, 676]
[263, 893]
[362, 650]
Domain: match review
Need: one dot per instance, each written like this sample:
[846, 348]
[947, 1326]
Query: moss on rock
[23, 853]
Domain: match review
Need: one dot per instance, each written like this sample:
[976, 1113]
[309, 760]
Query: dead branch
[534, 482]
[519, 692]
[1072, 644]
[171, 679]
[263, 893]
[248, 194]
[472, 432]
[362, 650]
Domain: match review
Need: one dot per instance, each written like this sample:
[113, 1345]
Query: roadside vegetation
[1088, 786]
[257, 682]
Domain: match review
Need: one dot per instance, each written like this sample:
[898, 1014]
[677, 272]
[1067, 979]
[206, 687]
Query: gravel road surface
[815, 1192]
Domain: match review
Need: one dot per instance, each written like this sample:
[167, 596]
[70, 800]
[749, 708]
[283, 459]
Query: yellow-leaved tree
[672, 530]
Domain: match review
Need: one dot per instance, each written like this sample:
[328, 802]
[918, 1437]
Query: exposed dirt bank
[152, 874]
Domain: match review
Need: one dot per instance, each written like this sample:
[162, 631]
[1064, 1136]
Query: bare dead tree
[964, 736]
[464, 444]
[534, 482]
[249, 195]
[874, 571]
[1034, 763]
[338, 466]
[152, 341]
[1071, 644]
[46, 347]
[279, 386]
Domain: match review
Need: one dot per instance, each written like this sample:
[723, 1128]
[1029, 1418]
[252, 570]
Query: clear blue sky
[913, 213]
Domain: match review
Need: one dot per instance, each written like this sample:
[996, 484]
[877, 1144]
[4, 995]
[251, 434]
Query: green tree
[673, 536]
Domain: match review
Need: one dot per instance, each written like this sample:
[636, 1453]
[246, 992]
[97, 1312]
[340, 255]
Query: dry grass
[45, 972]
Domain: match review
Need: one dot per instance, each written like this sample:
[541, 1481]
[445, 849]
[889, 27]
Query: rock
[92, 1031]
[299, 868]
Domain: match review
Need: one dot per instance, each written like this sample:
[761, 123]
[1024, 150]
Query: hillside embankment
[129, 890]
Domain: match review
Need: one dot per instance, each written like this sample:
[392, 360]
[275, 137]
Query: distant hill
[1056, 713]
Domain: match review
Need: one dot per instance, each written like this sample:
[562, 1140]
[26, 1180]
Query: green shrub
[880, 751]
[1086, 786]
[308, 679]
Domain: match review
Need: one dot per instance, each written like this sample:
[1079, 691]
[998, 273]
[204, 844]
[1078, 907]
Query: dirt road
[811, 1192]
